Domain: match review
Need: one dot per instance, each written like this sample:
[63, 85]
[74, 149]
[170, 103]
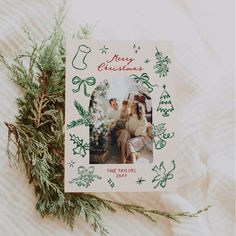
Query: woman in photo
[134, 136]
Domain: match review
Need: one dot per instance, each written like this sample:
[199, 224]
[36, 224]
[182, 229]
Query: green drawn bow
[90, 81]
[144, 79]
[162, 175]
[86, 177]
[82, 170]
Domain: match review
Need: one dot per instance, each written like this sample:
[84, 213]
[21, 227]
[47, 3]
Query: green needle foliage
[38, 135]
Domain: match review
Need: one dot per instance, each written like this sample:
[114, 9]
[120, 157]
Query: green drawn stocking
[78, 61]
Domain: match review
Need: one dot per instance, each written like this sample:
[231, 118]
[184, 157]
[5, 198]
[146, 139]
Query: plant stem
[43, 95]
[147, 213]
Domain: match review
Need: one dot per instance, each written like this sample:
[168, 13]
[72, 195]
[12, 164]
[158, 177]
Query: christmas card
[119, 116]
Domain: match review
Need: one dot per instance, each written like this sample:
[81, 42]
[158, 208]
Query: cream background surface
[204, 46]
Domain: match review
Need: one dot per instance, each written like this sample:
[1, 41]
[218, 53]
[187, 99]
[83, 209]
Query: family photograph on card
[121, 131]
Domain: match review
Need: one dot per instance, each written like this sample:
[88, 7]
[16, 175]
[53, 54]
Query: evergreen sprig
[38, 135]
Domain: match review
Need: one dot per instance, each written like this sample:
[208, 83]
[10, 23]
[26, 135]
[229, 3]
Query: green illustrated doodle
[78, 61]
[140, 180]
[86, 177]
[90, 81]
[104, 50]
[144, 80]
[147, 61]
[161, 68]
[165, 105]
[111, 183]
[159, 135]
[162, 175]
[137, 48]
[80, 147]
[85, 117]
[71, 163]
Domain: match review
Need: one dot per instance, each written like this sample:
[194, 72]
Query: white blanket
[204, 40]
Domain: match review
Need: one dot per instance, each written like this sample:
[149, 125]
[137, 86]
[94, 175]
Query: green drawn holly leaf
[75, 139]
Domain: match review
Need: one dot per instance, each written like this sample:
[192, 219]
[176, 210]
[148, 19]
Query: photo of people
[121, 117]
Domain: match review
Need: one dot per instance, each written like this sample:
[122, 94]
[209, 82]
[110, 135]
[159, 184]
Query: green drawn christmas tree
[165, 105]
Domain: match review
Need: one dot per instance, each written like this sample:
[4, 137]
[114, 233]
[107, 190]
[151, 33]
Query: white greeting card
[120, 116]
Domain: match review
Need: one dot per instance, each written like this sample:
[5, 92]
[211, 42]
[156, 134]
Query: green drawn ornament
[80, 147]
[85, 177]
[79, 60]
[90, 81]
[162, 175]
[136, 48]
[71, 163]
[111, 183]
[104, 50]
[160, 135]
[85, 117]
[140, 181]
[161, 68]
[165, 105]
[144, 80]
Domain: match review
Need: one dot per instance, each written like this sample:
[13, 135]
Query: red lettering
[105, 67]
[100, 67]
[116, 58]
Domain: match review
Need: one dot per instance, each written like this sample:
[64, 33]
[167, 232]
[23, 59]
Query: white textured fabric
[204, 45]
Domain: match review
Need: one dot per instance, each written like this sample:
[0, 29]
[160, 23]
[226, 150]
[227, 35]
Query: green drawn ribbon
[85, 178]
[144, 79]
[90, 81]
[162, 177]
[82, 170]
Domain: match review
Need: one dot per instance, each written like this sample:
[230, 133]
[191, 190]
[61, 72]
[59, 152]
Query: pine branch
[12, 131]
[42, 98]
[148, 213]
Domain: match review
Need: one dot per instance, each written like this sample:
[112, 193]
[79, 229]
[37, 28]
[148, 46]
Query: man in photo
[114, 114]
